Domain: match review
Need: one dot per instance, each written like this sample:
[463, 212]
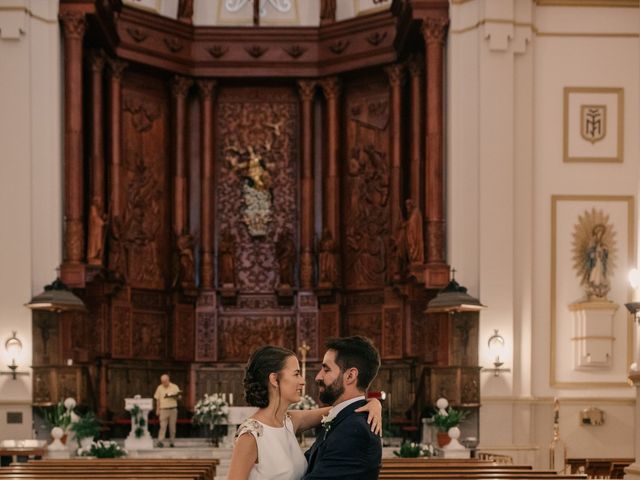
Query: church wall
[30, 176]
[508, 64]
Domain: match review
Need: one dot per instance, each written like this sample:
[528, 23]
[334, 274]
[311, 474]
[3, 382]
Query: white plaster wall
[508, 63]
[30, 191]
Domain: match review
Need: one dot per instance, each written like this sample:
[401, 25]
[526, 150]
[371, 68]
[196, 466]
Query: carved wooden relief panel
[140, 243]
[239, 335]
[121, 331]
[183, 332]
[392, 332]
[149, 335]
[366, 178]
[256, 136]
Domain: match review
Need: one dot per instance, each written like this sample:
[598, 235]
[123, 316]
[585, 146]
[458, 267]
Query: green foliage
[87, 426]
[137, 421]
[411, 450]
[103, 449]
[452, 419]
[56, 415]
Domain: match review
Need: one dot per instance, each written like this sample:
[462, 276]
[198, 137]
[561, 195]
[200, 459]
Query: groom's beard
[331, 392]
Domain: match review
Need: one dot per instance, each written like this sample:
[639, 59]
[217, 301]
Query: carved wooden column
[116, 69]
[207, 197]
[179, 89]
[433, 31]
[307, 89]
[97, 61]
[74, 26]
[416, 154]
[331, 172]
[396, 77]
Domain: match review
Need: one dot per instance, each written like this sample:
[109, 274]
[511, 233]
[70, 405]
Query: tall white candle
[231, 399]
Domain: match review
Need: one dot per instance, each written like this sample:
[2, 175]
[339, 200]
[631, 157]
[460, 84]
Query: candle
[224, 397]
[231, 399]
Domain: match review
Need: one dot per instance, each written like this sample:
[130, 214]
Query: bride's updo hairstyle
[263, 362]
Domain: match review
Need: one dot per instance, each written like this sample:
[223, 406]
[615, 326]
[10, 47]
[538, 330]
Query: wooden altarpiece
[230, 187]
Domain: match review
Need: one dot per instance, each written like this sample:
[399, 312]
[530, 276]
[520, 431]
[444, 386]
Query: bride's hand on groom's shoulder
[374, 409]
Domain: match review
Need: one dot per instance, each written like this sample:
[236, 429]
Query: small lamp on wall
[13, 347]
[496, 346]
[634, 281]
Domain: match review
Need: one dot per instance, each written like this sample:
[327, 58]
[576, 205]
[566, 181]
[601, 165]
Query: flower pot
[86, 442]
[443, 439]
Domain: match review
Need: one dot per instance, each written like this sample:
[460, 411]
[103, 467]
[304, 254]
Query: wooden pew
[120, 469]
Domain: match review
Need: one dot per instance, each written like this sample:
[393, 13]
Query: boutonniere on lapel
[325, 421]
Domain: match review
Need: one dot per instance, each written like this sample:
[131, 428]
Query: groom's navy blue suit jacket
[348, 450]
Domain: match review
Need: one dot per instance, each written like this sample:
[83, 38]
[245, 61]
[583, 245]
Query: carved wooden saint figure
[186, 262]
[397, 253]
[227, 259]
[327, 261]
[97, 222]
[415, 239]
[286, 255]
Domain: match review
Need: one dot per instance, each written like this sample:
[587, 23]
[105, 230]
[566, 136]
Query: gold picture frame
[565, 211]
[608, 147]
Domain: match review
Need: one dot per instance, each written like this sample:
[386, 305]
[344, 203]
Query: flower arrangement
[452, 419]
[102, 449]
[211, 410]
[413, 450]
[57, 415]
[305, 403]
[87, 426]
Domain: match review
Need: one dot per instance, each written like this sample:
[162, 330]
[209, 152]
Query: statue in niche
[327, 261]
[227, 259]
[286, 255]
[254, 165]
[594, 250]
[186, 270]
[97, 224]
[415, 239]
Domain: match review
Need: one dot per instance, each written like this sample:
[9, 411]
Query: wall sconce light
[13, 346]
[496, 346]
[634, 281]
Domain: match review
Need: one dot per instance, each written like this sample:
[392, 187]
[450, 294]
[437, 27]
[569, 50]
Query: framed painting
[593, 122]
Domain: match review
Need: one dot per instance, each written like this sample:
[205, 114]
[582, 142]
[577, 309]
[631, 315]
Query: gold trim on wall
[631, 258]
[564, 400]
[565, 125]
[538, 33]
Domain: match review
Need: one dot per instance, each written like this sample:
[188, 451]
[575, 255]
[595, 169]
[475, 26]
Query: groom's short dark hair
[356, 352]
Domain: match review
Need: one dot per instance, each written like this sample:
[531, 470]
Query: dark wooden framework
[159, 96]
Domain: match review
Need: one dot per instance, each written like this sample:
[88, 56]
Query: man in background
[166, 397]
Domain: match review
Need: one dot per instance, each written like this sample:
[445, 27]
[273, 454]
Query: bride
[266, 447]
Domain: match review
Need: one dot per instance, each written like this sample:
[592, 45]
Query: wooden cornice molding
[139, 36]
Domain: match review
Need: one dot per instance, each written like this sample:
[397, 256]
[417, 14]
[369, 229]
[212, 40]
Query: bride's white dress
[279, 455]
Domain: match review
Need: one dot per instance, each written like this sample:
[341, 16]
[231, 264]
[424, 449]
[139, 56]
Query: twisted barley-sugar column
[74, 26]
[307, 90]
[207, 193]
[433, 31]
[179, 90]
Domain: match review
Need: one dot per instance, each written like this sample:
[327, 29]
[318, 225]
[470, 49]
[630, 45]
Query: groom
[345, 447]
